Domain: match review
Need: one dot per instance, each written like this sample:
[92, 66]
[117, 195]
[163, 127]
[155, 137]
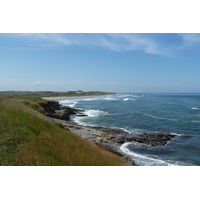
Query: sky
[110, 62]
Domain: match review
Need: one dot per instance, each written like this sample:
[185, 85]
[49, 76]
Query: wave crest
[193, 108]
[144, 160]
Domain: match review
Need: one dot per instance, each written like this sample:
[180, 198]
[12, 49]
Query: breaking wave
[70, 103]
[144, 160]
[193, 108]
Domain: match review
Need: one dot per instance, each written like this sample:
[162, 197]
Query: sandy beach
[72, 97]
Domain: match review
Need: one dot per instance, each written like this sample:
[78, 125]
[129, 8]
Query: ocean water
[139, 113]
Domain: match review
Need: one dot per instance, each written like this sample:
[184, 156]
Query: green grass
[28, 138]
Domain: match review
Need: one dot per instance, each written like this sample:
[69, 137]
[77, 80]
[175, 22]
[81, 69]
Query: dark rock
[185, 136]
[54, 110]
[69, 111]
[50, 106]
[63, 116]
[153, 139]
[81, 115]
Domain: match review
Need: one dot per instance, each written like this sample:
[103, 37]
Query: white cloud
[191, 38]
[37, 83]
[146, 43]
[128, 42]
[58, 39]
[46, 39]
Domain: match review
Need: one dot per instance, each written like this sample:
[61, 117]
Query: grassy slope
[27, 137]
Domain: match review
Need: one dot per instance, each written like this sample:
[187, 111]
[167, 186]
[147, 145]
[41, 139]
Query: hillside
[28, 137]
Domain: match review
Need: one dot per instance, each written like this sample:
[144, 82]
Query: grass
[29, 138]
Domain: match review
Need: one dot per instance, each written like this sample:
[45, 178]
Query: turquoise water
[139, 113]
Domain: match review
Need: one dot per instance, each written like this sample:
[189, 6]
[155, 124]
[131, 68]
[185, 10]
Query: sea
[146, 113]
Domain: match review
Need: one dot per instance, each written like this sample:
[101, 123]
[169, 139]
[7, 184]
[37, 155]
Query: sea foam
[110, 99]
[193, 108]
[70, 103]
[127, 99]
[144, 160]
[95, 113]
[85, 120]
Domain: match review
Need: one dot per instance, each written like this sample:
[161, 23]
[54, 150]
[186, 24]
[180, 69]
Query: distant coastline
[72, 97]
[61, 95]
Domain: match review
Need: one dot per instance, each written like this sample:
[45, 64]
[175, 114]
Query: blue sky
[104, 62]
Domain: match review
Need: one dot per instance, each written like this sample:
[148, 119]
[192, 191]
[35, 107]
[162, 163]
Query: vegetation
[28, 137]
[50, 94]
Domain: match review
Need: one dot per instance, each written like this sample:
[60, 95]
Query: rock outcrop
[54, 110]
[153, 139]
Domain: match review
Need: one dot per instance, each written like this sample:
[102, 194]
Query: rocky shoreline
[110, 139]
